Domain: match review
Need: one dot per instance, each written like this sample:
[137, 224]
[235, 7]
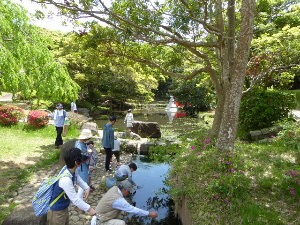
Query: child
[116, 149]
[93, 160]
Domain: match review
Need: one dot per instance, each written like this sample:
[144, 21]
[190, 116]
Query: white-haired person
[113, 203]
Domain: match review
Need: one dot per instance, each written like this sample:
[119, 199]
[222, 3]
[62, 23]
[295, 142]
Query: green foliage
[26, 64]
[263, 108]
[194, 94]
[10, 115]
[164, 153]
[275, 49]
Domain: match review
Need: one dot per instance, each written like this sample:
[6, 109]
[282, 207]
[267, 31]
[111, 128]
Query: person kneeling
[113, 202]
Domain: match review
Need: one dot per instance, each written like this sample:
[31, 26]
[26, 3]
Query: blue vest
[64, 201]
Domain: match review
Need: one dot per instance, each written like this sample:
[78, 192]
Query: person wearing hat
[83, 169]
[108, 140]
[113, 202]
[59, 116]
[58, 213]
[129, 120]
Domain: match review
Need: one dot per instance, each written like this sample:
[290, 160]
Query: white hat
[85, 134]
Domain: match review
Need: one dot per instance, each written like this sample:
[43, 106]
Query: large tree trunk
[236, 77]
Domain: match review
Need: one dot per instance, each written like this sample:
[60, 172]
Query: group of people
[80, 162]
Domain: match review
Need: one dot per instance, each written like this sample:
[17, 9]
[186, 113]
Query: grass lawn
[24, 151]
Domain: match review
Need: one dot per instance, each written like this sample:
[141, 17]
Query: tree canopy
[27, 66]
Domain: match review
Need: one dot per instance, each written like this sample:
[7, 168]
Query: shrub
[38, 118]
[263, 108]
[195, 96]
[10, 115]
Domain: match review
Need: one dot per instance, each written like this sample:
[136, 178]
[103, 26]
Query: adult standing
[73, 107]
[108, 140]
[58, 213]
[129, 120]
[113, 202]
[59, 116]
[83, 169]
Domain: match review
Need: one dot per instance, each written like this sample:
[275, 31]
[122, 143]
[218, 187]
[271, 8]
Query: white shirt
[66, 184]
[117, 144]
[123, 205]
[73, 106]
[124, 170]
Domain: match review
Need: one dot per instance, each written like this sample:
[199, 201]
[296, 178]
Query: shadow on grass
[13, 175]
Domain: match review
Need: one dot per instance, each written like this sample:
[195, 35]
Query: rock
[265, 133]
[84, 111]
[146, 129]
[92, 126]
[144, 148]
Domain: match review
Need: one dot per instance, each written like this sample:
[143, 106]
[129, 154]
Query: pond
[179, 122]
[152, 195]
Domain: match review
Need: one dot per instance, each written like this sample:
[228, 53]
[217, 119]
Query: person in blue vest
[83, 169]
[108, 140]
[59, 116]
[58, 213]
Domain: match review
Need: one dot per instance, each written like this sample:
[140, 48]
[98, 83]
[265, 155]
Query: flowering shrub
[38, 118]
[10, 114]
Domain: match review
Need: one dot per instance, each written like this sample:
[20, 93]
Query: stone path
[24, 195]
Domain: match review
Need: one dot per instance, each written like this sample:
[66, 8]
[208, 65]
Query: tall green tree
[275, 50]
[216, 33]
[26, 64]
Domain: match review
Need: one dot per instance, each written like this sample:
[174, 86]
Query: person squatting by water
[113, 202]
[58, 213]
[125, 172]
[83, 169]
[129, 120]
[108, 140]
[59, 116]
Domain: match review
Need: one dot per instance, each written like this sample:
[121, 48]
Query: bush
[38, 118]
[10, 115]
[263, 108]
[195, 96]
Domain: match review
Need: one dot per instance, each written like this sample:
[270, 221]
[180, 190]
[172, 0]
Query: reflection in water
[153, 193]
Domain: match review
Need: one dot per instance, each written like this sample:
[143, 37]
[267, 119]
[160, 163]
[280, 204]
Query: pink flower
[193, 147]
[293, 191]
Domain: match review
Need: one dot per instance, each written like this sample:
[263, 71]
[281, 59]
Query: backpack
[41, 200]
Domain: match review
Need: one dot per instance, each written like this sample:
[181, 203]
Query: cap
[126, 185]
[59, 105]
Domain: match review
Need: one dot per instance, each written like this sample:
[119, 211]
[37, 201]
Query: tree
[216, 34]
[26, 64]
[275, 57]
